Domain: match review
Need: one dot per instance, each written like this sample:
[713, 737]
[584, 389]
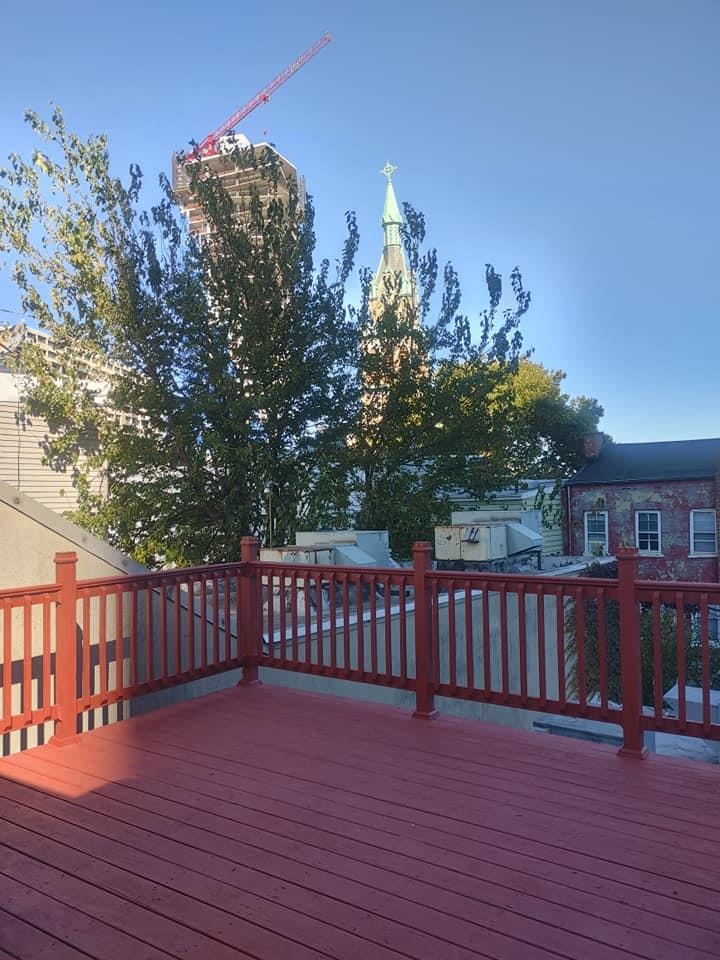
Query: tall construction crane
[210, 143]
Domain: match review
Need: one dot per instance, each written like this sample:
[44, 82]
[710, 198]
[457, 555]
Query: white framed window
[647, 531]
[596, 532]
[703, 533]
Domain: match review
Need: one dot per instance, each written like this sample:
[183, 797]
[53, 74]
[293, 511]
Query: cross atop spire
[388, 170]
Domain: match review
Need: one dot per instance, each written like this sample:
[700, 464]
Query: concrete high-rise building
[240, 180]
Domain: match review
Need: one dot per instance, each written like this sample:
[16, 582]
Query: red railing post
[66, 650]
[249, 630]
[630, 657]
[424, 696]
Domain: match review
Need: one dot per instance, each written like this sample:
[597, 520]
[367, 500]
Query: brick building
[661, 498]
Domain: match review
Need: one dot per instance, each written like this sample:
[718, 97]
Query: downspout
[716, 504]
[568, 521]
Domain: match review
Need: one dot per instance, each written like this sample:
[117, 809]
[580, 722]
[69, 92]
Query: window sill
[702, 556]
[651, 553]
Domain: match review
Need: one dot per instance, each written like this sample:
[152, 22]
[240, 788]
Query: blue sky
[578, 139]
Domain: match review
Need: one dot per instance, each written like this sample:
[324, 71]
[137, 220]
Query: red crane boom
[209, 144]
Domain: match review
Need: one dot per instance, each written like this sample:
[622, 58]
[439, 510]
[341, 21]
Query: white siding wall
[22, 440]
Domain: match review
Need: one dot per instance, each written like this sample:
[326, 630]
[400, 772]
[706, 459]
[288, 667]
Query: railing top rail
[19, 593]
[677, 586]
[331, 570]
[176, 573]
[525, 580]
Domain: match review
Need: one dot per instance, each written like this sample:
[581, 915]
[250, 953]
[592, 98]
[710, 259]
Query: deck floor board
[273, 823]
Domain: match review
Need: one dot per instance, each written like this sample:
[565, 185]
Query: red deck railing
[598, 649]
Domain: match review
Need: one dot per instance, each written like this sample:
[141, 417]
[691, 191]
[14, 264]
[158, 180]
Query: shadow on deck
[270, 823]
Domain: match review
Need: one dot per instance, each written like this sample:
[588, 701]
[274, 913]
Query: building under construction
[256, 168]
[243, 168]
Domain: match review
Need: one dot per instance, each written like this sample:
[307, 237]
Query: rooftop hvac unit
[480, 542]
[483, 542]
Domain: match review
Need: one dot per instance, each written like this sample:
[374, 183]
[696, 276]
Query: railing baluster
[307, 619]
[542, 657]
[560, 646]
[149, 634]
[47, 655]
[404, 589]
[294, 616]
[452, 639]
[388, 628]
[269, 592]
[522, 644]
[705, 659]
[103, 641]
[203, 623]
[486, 636]
[192, 659]
[282, 593]
[7, 663]
[359, 622]
[227, 617]
[133, 636]
[657, 657]
[26, 692]
[319, 632]
[119, 641]
[87, 673]
[435, 634]
[602, 651]
[469, 644]
[346, 623]
[373, 630]
[580, 648]
[680, 641]
[332, 613]
[177, 627]
[163, 628]
[502, 597]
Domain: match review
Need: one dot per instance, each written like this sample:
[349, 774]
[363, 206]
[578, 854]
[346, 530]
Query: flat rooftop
[272, 823]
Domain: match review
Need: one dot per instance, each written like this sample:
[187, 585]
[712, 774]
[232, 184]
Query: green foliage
[544, 426]
[221, 360]
[608, 646]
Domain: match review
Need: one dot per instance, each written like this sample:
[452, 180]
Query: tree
[224, 364]
[545, 426]
[426, 423]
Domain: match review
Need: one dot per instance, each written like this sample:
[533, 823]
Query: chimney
[592, 445]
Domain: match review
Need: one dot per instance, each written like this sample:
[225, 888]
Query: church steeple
[392, 269]
[391, 218]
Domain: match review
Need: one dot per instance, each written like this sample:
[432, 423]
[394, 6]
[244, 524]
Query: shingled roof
[636, 462]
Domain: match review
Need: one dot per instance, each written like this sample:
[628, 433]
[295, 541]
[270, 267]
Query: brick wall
[673, 499]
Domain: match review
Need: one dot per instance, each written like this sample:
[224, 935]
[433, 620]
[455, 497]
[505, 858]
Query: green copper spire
[392, 261]
[391, 211]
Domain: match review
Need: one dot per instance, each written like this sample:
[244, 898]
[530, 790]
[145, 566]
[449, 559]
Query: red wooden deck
[270, 823]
